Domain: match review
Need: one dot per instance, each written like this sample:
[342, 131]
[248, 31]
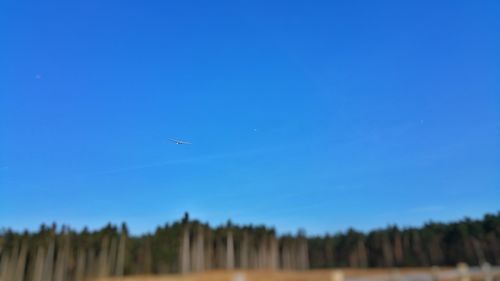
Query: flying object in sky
[179, 141]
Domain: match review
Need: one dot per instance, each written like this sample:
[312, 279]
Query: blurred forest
[61, 254]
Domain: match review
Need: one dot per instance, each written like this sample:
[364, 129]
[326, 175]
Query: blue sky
[315, 114]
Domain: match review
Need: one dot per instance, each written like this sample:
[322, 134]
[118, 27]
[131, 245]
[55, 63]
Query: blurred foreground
[407, 274]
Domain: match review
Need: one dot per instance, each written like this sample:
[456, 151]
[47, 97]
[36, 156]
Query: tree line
[62, 254]
[470, 241]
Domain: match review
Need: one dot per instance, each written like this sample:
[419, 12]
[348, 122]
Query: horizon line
[60, 226]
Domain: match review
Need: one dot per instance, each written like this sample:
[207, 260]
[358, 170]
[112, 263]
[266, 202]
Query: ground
[311, 275]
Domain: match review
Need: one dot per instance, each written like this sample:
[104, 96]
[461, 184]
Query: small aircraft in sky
[179, 141]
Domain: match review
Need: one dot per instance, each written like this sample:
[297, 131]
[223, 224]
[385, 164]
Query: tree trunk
[120, 259]
[39, 261]
[80, 265]
[103, 258]
[21, 263]
[229, 251]
[185, 251]
[244, 251]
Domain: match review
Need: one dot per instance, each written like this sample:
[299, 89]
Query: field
[312, 275]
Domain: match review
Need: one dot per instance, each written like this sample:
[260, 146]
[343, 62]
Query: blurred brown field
[257, 275]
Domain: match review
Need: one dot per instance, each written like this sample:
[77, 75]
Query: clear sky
[313, 114]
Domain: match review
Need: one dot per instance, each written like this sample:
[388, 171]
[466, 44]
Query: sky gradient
[322, 115]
